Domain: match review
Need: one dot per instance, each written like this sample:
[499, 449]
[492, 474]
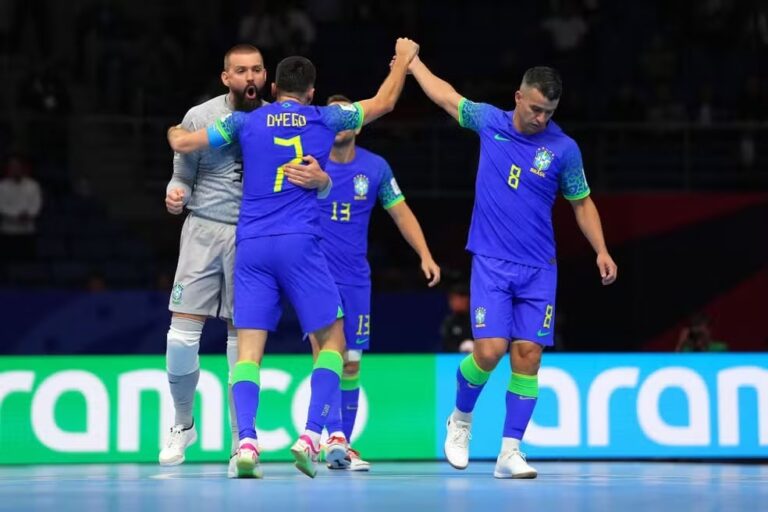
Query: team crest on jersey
[361, 187]
[176, 292]
[543, 159]
[480, 317]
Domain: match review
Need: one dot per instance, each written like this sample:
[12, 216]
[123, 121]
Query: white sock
[249, 440]
[462, 416]
[315, 437]
[510, 444]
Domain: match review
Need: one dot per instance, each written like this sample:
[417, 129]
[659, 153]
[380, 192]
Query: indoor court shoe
[512, 464]
[305, 454]
[246, 462]
[355, 462]
[179, 438]
[457, 442]
[336, 450]
[352, 462]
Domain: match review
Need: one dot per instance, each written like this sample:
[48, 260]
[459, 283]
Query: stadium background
[668, 102]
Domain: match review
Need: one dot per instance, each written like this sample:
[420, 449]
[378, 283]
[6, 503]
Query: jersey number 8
[514, 177]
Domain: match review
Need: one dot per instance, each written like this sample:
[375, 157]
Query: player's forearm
[410, 229]
[325, 189]
[390, 89]
[183, 141]
[588, 220]
[184, 174]
[437, 89]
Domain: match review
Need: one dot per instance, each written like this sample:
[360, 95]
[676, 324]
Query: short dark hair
[239, 48]
[547, 80]
[337, 98]
[295, 74]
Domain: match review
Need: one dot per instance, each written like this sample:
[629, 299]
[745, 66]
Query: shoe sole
[303, 462]
[359, 468]
[336, 456]
[445, 452]
[255, 472]
[167, 464]
[521, 476]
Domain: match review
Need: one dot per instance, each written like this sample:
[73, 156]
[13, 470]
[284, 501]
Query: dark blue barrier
[136, 322]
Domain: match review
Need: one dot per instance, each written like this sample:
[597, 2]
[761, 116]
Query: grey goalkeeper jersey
[212, 179]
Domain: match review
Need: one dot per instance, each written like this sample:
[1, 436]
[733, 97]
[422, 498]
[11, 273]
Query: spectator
[456, 329]
[697, 337]
[20, 204]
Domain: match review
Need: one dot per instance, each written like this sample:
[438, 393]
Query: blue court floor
[390, 487]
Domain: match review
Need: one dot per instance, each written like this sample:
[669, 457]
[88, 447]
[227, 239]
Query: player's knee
[526, 358]
[183, 345]
[351, 368]
[488, 355]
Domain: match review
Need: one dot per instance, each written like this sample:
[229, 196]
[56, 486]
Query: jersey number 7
[296, 143]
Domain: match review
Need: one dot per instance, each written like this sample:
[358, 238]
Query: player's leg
[533, 322]
[195, 296]
[183, 368]
[491, 305]
[245, 394]
[234, 430]
[256, 311]
[357, 332]
[350, 397]
[336, 440]
[310, 288]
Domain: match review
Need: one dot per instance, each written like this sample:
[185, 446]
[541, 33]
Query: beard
[243, 102]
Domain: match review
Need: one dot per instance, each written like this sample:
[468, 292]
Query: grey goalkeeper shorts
[203, 281]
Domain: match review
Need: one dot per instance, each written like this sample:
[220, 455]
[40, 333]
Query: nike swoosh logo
[501, 138]
[541, 333]
[473, 386]
[360, 341]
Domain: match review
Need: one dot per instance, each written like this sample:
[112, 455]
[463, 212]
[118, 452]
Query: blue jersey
[518, 178]
[347, 210]
[270, 137]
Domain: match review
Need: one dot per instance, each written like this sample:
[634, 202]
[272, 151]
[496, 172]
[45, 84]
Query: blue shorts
[356, 301]
[291, 264]
[512, 301]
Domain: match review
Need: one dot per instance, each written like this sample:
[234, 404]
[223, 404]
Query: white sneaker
[335, 450]
[245, 463]
[176, 444]
[232, 467]
[355, 462]
[457, 442]
[512, 464]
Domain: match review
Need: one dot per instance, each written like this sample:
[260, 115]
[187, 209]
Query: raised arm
[437, 89]
[184, 141]
[389, 92]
